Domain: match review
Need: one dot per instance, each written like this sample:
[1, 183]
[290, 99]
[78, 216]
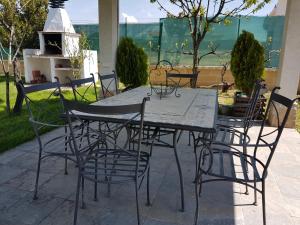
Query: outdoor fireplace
[53, 43]
[59, 43]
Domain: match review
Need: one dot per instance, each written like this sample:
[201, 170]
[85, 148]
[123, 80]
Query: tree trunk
[19, 100]
[7, 92]
[195, 63]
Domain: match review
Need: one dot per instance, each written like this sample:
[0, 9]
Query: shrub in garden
[131, 64]
[247, 62]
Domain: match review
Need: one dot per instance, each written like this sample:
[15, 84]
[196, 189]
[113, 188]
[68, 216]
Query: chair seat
[225, 136]
[237, 122]
[234, 166]
[114, 166]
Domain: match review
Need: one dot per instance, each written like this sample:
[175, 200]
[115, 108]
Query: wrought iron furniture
[177, 78]
[81, 94]
[222, 164]
[252, 109]
[197, 112]
[101, 158]
[160, 70]
[44, 113]
[109, 84]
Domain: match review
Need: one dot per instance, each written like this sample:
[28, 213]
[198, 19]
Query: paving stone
[31, 212]
[26, 180]
[64, 215]
[9, 196]
[220, 203]
[157, 222]
[9, 172]
[10, 155]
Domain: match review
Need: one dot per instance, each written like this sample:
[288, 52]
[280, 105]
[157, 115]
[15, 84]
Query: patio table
[195, 110]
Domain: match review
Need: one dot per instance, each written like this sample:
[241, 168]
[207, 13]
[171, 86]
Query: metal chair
[109, 84]
[253, 108]
[219, 164]
[44, 114]
[103, 157]
[81, 94]
[177, 78]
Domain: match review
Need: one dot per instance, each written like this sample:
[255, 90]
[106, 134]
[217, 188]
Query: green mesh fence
[92, 32]
[170, 39]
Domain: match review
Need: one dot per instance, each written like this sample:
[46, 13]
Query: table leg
[179, 169]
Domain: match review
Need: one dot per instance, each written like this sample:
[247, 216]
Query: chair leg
[255, 192]
[82, 193]
[137, 203]
[196, 163]
[198, 189]
[245, 152]
[37, 175]
[264, 202]
[190, 138]
[96, 179]
[148, 187]
[77, 199]
[66, 149]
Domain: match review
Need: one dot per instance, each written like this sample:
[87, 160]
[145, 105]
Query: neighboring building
[279, 9]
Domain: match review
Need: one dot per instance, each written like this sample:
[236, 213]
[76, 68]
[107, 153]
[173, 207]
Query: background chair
[84, 88]
[220, 164]
[109, 84]
[182, 79]
[44, 114]
[103, 157]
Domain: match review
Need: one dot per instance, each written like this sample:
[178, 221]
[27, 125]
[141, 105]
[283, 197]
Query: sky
[136, 11]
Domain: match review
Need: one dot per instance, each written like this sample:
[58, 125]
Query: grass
[16, 129]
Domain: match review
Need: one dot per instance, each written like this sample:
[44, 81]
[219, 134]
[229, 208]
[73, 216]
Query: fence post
[126, 26]
[239, 25]
[159, 40]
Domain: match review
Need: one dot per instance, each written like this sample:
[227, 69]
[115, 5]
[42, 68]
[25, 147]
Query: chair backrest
[255, 105]
[43, 104]
[82, 87]
[104, 136]
[160, 70]
[182, 79]
[109, 84]
[280, 107]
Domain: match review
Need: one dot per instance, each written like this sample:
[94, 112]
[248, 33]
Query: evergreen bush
[131, 64]
[247, 62]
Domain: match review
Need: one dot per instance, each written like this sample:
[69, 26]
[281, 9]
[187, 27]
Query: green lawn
[16, 129]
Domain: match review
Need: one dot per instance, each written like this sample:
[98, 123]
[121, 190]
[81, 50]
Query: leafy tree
[131, 64]
[202, 14]
[247, 61]
[19, 22]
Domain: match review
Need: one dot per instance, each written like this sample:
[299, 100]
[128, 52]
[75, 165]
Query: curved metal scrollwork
[162, 90]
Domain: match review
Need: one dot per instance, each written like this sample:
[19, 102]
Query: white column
[289, 68]
[109, 26]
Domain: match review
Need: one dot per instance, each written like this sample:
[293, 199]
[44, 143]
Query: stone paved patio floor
[220, 204]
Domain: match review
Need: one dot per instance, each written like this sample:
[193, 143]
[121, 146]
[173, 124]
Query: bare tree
[202, 14]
